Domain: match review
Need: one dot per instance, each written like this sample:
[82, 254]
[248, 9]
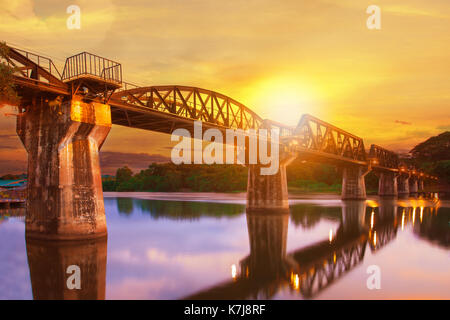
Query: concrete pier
[413, 186]
[387, 184]
[353, 184]
[420, 185]
[64, 195]
[403, 185]
[267, 192]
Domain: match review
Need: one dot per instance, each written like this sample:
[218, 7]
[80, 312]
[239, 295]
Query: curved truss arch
[194, 103]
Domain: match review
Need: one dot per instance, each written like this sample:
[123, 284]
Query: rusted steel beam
[197, 103]
[384, 158]
[319, 136]
[33, 75]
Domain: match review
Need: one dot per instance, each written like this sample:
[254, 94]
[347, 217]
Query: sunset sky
[281, 58]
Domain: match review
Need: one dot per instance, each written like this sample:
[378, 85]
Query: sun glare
[283, 99]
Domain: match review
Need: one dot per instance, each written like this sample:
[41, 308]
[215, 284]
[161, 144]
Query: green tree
[8, 94]
[433, 156]
[442, 170]
[434, 149]
[123, 175]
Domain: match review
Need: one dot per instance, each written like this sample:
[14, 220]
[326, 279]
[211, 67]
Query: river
[205, 245]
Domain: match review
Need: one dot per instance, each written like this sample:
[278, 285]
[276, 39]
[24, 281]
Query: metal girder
[192, 103]
[35, 72]
[381, 157]
[315, 135]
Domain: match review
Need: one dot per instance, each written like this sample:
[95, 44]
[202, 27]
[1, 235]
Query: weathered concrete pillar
[267, 192]
[353, 184]
[413, 186]
[65, 199]
[403, 185]
[49, 263]
[387, 184]
[420, 185]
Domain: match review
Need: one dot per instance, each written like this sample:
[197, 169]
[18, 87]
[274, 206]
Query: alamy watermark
[242, 147]
[74, 20]
[374, 280]
[74, 280]
[374, 20]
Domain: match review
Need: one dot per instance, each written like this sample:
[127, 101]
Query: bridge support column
[267, 192]
[403, 185]
[353, 184]
[413, 186]
[387, 184]
[420, 185]
[65, 198]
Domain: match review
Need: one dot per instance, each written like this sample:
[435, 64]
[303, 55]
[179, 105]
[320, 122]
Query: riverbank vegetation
[167, 177]
[433, 156]
[8, 94]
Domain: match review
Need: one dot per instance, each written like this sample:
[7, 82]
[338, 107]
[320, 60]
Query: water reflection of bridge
[307, 271]
[314, 268]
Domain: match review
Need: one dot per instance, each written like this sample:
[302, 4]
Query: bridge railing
[43, 62]
[127, 86]
[88, 64]
[29, 65]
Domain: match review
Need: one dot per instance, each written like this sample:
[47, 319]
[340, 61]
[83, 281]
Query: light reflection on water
[158, 249]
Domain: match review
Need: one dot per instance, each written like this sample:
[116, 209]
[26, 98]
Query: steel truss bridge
[166, 108]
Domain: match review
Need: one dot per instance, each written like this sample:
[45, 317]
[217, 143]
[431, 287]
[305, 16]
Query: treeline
[168, 177]
[433, 156]
[13, 176]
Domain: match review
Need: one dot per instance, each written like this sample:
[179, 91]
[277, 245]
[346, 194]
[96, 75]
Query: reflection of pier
[12, 212]
[307, 270]
[48, 262]
[14, 196]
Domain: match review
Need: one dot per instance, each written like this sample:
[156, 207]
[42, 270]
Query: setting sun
[282, 99]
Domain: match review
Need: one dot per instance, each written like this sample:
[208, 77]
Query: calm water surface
[160, 249]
